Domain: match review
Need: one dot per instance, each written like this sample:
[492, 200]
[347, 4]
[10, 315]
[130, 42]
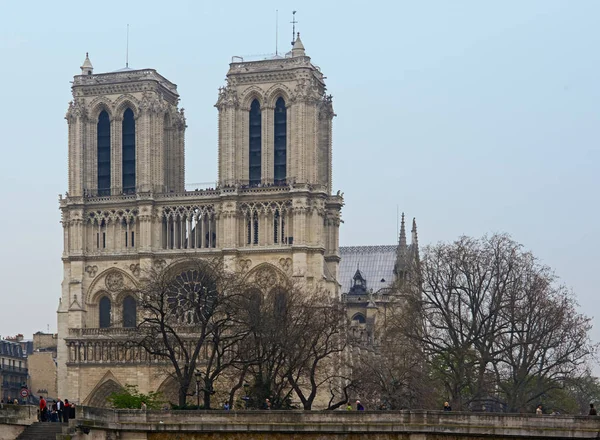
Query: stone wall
[42, 371]
[14, 419]
[274, 425]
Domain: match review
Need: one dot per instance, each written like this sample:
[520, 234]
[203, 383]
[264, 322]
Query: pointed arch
[103, 153]
[250, 94]
[100, 104]
[98, 286]
[359, 317]
[128, 151]
[99, 395]
[265, 276]
[277, 91]
[127, 101]
[255, 143]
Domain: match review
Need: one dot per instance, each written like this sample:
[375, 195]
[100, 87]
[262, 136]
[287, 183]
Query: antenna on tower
[276, 32]
[127, 50]
[293, 27]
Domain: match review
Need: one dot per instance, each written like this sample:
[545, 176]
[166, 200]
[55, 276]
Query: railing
[110, 331]
[13, 369]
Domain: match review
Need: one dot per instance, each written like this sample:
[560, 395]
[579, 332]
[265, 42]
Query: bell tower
[275, 153]
[126, 134]
[275, 122]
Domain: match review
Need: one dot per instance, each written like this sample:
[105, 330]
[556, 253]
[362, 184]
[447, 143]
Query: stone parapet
[429, 424]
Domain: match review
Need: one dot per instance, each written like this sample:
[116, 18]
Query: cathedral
[127, 210]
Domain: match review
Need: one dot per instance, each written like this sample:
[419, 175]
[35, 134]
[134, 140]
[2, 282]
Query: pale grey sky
[473, 116]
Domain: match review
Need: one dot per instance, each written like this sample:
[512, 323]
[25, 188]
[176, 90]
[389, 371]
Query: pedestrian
[59, 409]
[359, 406]
[593, 411]
[538, 410]
[66, 411]
[267, 404]
[447, 406]
[43, 410]
[54, 413]
[348, 406]
[226, 406]
[143, 406]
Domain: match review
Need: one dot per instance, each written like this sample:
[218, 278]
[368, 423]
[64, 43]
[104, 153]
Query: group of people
[359, 406]
[57, 411]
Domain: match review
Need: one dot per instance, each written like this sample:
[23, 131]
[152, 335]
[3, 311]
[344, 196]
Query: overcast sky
[471, 116]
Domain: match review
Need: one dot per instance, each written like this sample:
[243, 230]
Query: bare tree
[545, 342]
[186, 320]
[320, 336]
[487, 306]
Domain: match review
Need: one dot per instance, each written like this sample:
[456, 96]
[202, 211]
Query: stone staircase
[41, 431]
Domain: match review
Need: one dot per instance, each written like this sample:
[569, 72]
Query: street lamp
[198, 377]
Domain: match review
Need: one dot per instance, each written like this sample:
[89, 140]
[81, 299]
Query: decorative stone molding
[286, 265]
[114, 281]
[244, 265]
[135, 269]
[91, 270]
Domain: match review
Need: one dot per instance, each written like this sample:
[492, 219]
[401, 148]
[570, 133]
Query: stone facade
[126, 209]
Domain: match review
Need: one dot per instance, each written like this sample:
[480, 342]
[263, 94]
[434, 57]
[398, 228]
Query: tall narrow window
[129, 312]
[255, 142]
[249, 228]
[128, 152]
[255, 228]
[280, 150]
[104, 312]
[103, 154]
[276, 219]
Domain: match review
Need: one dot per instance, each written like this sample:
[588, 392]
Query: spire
[298, 48]
[86, 67]
[402, 239]
[414, 239]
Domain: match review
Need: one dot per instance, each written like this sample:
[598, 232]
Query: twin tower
[272, 213]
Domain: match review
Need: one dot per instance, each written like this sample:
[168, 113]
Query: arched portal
[98, 397]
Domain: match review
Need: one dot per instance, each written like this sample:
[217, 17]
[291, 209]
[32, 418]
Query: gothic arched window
[280, 150]
[360, 318]
[105, 312]
[103, 150]
[255, 144]
[129, 312]
[128, 152]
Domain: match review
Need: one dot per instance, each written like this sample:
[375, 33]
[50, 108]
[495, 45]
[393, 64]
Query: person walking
[359, 406]
[43, 409]
[66, 411]
[447, 406]
[59, 410]
[593, 411]
[538, 410]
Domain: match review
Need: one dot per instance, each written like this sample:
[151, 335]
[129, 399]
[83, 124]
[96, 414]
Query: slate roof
[375, 263]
